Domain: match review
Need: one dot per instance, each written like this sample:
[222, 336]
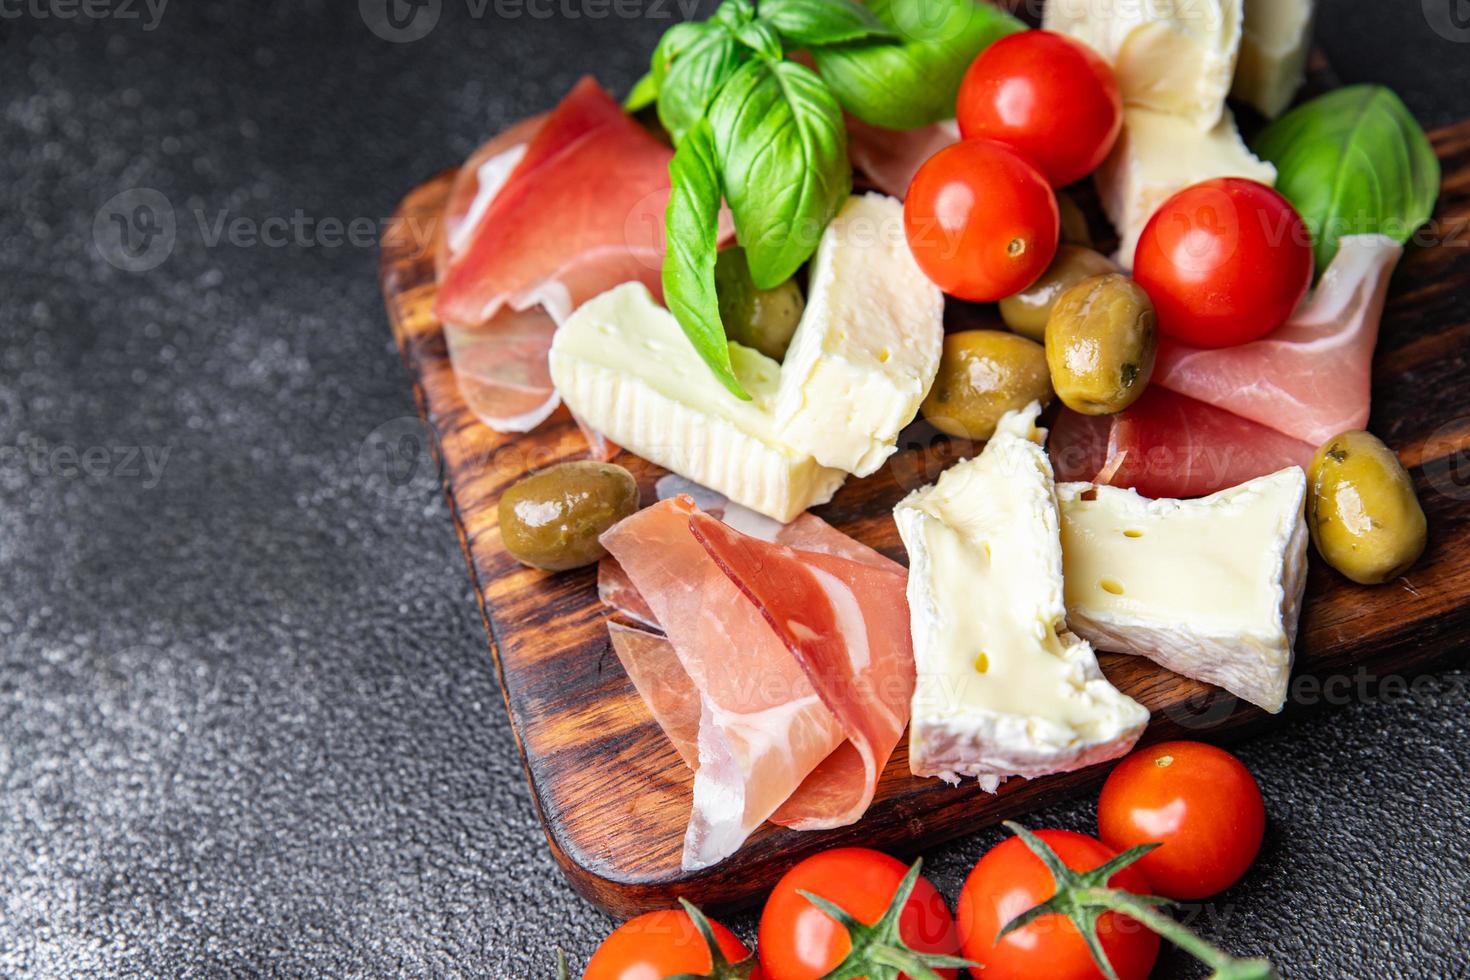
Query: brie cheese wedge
[1002, 689]
[622, 362]
[1172, 56]
[1273, 53]
[867, 348]
[1158, 155]
[1209, 588]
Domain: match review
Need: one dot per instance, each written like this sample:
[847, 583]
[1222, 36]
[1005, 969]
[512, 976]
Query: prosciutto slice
[1168, 445]
[548, 214]
[791, 727]
[889, 158]
[1311, 378]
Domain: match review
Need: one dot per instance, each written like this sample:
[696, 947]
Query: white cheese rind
[867, 348]
[1209, 588]
[985, 576]
[1273, 53]
[1173, 56]
[1158, 155]
[622, 362]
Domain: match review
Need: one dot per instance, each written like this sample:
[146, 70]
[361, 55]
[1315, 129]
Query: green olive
[1073, 222]
[763, 319]
[982, 375]
[552, 519]
[1101, 341]
[1027, 312]
[1362, 510]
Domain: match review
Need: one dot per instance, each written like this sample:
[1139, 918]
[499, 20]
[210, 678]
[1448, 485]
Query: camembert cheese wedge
[867, 348]
[1003, 689]
[1158, 155]
[859, 365]
[1209, 588]
[622, 362]
[1273, 53]
[1171, 56]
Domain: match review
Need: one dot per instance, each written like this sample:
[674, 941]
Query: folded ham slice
[791, 727]
[1168, 445]
[1311, 378]
[548, 214]
[889, 158]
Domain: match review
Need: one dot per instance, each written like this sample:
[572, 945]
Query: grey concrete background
[247, 723]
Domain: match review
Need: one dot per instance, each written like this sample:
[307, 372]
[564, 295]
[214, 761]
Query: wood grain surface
[611, 792]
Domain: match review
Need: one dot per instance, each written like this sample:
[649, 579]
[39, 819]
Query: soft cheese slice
[622, 362]
[1003, 689]
[1273, 53]
[868, 345]
[1156, 156]
[1209, 588]
[1174, 56]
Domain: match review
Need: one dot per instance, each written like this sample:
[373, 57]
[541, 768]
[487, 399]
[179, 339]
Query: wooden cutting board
[612, 794]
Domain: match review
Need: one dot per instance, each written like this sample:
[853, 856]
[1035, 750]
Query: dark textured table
[247, 720]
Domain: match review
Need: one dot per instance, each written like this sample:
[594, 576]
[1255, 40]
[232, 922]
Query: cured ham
[791, 728]
[584, 202]
[1311, 378]
[1168, 445]
[889, 158]
[546, 215]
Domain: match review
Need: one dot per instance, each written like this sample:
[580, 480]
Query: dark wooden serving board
[610, 790]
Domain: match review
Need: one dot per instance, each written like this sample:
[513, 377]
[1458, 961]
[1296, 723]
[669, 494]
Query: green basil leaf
[814, 23]
[734, 14]
[692, 222]
[1353, 162]
[677, 39]
[696, 75]
[761, 38]
[914, 82]
[783, 155]
[642, 95]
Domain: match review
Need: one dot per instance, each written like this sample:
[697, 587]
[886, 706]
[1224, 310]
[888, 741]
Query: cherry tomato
[1053, 100]
[661, 944]
[1010, 879]
[981, 221]
[798, 941]
[1196, 800]
[1225, 262]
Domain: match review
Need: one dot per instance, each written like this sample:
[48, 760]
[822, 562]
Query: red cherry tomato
[981, 221]
[798, 941]
[1225, 262]
[661, 944]
[1010, 879]
[1050, 98]
[1199, 802]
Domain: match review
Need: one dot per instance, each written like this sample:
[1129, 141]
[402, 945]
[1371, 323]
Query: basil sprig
[1353, 162]
[766, 134]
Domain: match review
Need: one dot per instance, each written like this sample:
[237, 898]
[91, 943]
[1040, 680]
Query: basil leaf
[734, 14]
[692, 228]
[814, 23]
[695, 76]
[1353, 162]
[913, 83]
[642, 95]
[761, 38]
[783, 153]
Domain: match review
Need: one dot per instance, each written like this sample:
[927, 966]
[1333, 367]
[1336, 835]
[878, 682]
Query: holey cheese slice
[1209, 588]
[1003, 689]
[622, 363]
[1156, 156]
[868, 345]
[1173, 56]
